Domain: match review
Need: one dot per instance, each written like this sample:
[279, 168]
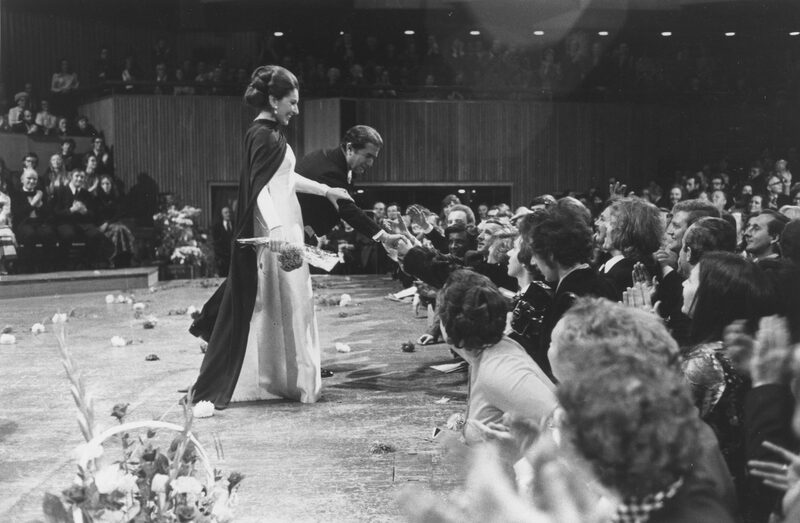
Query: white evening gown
[282, 359]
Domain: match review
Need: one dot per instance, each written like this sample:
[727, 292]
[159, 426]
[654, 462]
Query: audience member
[47, 121]
[109, 220]
[763, 233]
[31, 213]
[74, 209]
[222, 233]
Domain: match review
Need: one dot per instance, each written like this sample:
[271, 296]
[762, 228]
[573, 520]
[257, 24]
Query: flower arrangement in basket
[179, 239]
[161, 472]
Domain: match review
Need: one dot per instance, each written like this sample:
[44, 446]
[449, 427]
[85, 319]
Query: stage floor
[301, 462]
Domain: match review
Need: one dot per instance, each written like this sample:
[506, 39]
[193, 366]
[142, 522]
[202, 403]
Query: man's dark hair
[562, 232]
[790, 241]
[776, 224]
[696, 209]
[359, 136]
[708, 235]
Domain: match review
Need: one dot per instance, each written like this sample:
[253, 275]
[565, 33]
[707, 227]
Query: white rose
[128, 484]
[138, 306]
[159, 483]
[345, 300]
[60, 317]
[118, 341]
[120, 298]
[108, 478]
[37, 328]
[203, 409]
[110, 299]
[88, 452]
[186, 485]
[342, 347]
[7, 339]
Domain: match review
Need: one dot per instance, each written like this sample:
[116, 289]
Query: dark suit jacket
[329, 166]
[222, 239]
[21, 209]
[63, 200]
[620, 276]
[578, 283]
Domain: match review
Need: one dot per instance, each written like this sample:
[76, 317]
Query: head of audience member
[63, 126]
[56, 163]
[448, 201]
[90, 165]
[790, 211]
[67, 146]
[486, 230]
[637, 428]
[379, 210]
[634, 229]
[460, 239]
[610, 333]
[106, 186]
[774, 185]
[560, 240]
[30, 161]
[692, 185]
[27, 117]
[746, 190]
[393, 211]
[721, 288]
[602, 240]
[459, 213]
[272, 89]
[704, 236]
[500, 245]
[684, 214]
[755, 171]
[756, 204]
[83, 123]
[763, 232]
[29, 179]
[675, 194]
[65, 68]
[790, 242]
[77, 179]
[794, 196]
[361, 145]
[717, 183]
[483, 211]
[98, 145]
[719, 199]
[542, 202]
[472, 311]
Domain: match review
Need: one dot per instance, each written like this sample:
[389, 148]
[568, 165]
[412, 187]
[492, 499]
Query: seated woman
[502, 378]
[56, 175]
[108, 215]
[722, 288]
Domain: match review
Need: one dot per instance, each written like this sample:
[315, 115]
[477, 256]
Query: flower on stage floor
[203, 409]
[139, 471]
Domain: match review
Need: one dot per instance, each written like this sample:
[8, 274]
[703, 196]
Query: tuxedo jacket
[21, 209]
[62, 200]
[222, 238]
[620, 276]
[329, 166]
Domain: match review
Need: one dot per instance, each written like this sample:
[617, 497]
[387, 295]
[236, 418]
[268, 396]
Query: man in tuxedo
[222, 233]
[74, 210]
[338, 167]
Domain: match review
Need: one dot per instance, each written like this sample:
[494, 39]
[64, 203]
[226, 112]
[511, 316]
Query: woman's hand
[666, 258]
[276, 240]
[781, 476]
[334, 194]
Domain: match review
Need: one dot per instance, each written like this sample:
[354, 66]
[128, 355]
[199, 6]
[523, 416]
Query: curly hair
[266, 81]
[563, 232]
[595, 333]
[638, 429]
[525, 227]
[635, 228]
[472, 310]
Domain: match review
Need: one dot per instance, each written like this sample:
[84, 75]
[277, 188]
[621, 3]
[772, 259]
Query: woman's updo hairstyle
[472, 310]
[269, 80]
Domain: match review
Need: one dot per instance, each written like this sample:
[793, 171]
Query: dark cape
[225, 319]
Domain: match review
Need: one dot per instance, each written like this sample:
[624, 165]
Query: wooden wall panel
[322, 123]
[101, 116]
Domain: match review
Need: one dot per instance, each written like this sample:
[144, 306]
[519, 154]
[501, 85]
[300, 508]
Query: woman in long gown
[264, 343]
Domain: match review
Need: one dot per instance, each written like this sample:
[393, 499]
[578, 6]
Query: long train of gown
[282, 358]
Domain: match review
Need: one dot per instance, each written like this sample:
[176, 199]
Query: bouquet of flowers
[291, 256]
[188, 255]
[151, 480]
[176, 228]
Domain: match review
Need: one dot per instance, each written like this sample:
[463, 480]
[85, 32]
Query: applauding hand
[419, 217]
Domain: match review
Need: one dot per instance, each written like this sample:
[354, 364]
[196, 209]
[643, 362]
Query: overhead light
[341, 33]
[408, 32]
[794, 33]
[475, 33]
[538, 33]
[730, 33]
[602, 33]
[359, 191]
[461, 191]
[666, 33]
[278, 33]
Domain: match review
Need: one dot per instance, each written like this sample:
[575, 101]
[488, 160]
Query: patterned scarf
[638, 510]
